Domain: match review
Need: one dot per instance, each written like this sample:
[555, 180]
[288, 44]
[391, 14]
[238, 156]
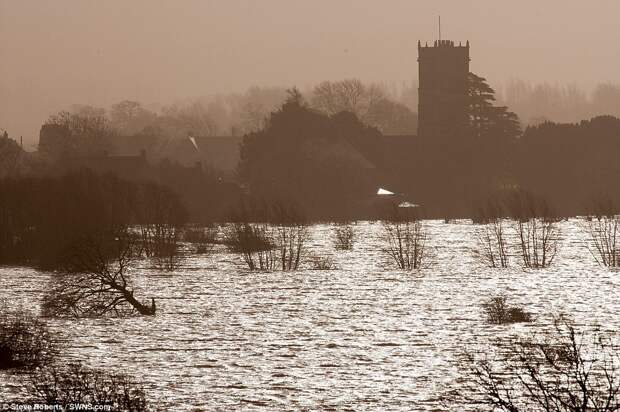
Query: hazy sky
[56, 53]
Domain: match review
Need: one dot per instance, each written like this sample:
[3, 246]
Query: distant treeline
[389, 109]
[536, 103]
[43, 219]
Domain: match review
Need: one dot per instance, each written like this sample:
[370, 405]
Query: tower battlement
[443, 43]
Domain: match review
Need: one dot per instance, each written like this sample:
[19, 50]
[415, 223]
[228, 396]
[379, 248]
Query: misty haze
[319, 206]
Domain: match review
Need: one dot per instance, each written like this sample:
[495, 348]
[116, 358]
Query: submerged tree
[278, 242]
[405, 237]
[537, 229]
[603, 228]
[161, 216]
[95, 281]
[290, 235]
[491, 235]
[253, 242]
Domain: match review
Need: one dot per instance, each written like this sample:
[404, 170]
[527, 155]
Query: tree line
[326, 151]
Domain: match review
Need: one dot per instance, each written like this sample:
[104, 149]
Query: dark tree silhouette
[12, 156]
[75, 134]
[307, 158]
[369, 103]
[560, 370]
[129, 117]
[95, 281]
[486, 119]
[79, 205]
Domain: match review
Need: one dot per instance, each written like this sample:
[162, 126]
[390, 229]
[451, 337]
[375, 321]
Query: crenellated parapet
[443, 44]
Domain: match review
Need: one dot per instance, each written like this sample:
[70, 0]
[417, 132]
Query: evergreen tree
[486, 119]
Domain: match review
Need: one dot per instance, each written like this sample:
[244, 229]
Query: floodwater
[361, 337]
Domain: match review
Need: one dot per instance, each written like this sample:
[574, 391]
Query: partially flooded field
[361, 336]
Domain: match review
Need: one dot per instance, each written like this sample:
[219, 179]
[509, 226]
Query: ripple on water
[361, 337]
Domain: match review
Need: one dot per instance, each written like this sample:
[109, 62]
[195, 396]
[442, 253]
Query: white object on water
[407, 204]
[383, 192]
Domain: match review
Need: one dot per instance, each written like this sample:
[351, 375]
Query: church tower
[443, 106]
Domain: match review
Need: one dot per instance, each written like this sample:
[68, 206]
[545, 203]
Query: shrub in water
[343, 237]
[24, 340]
[322, 263]
[202, 238]
[253, 242]
[498, 312]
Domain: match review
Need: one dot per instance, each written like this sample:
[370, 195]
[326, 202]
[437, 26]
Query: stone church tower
[443, 106]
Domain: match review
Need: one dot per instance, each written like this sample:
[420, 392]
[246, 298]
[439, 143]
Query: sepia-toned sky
[56, 53]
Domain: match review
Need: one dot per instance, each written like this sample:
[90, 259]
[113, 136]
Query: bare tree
[160, 216]
[349, 95]
[267, 246]
[194, 118]
[290, 235]
[84, 131]
[537, 229]
[491, 239]
[557, 371]
[95, 282]
[405, 237]
[129, 117]
[491, 235]
[603, 228]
